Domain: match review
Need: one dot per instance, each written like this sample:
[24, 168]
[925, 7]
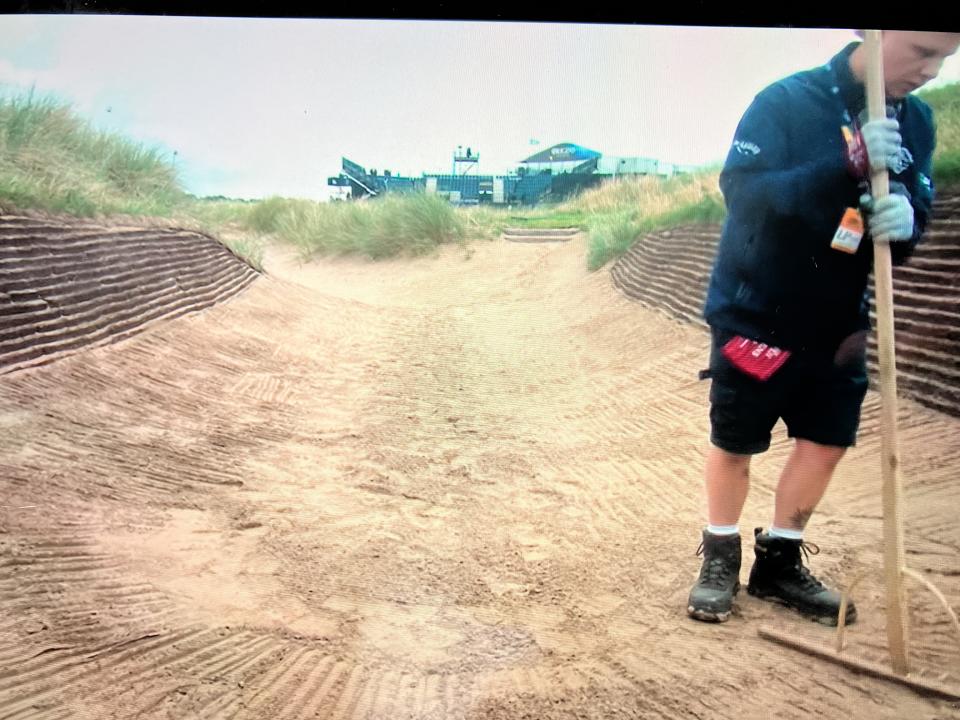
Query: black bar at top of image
[695, 13]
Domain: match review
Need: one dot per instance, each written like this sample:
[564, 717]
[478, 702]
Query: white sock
[723, 529]
[785, 533]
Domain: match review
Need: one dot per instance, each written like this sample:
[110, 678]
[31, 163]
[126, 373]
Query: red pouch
[855, 152]
[757, 359]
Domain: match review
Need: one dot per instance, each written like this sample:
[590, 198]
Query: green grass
[945, 102]
[412, 224]
[547, 218]
[250, 248]
[483, 222]
[612, 234]
[618, 212]
[216, 214]
[379, 228]
[264, 217]
[946, 171]
[52, 159]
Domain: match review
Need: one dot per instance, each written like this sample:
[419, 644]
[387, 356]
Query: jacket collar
[850, 90]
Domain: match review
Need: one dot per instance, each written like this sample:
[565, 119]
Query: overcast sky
[257, 107]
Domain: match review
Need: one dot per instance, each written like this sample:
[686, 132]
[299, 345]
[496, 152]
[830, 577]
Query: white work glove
[890, 219]
[882, 138]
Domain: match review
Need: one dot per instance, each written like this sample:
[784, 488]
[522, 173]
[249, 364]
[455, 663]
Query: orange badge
[849, 233]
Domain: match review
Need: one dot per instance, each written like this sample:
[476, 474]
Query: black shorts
[817, 399]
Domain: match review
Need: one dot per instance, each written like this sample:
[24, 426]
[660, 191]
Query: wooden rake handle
[893, 558]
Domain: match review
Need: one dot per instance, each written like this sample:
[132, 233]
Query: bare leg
[803, 482]
[728, 480]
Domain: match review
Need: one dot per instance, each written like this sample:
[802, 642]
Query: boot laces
[716, 570]
[806, 577]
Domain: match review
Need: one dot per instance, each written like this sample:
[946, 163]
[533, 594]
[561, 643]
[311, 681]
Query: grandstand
[552, 174]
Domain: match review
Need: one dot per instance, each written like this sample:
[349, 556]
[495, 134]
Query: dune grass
[216, 214]
[945, 102]
[620, 211]
[53, 159]
[412, 224]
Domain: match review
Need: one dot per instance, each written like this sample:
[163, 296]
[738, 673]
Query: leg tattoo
[799, 519]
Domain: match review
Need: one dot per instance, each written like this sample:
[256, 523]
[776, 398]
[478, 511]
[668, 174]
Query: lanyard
[850, 125]
[848, 119]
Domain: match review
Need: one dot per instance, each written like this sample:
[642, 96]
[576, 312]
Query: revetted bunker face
[670, 270]
[66, 285]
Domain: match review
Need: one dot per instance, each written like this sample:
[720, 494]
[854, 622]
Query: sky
[259, 107]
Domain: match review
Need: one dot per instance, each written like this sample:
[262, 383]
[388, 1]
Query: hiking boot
[779, 575]
[711, 598]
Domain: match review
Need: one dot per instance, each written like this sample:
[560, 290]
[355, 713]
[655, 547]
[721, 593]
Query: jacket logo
[746, 148]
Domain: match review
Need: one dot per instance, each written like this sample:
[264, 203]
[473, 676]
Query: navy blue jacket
[786, 186]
